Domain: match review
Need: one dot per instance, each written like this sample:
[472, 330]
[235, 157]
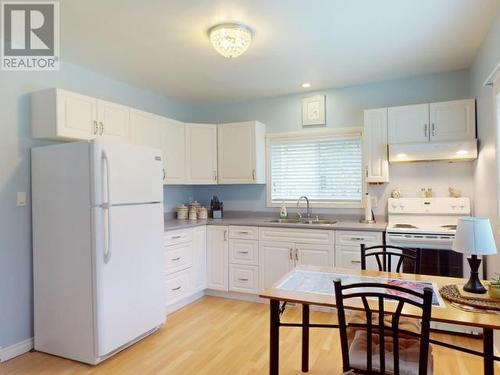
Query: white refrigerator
[97, 247]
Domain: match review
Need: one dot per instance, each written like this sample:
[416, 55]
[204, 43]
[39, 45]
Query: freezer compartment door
[125, 174]
[130, 297]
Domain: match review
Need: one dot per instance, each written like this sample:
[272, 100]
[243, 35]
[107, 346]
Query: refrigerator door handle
[106, 206]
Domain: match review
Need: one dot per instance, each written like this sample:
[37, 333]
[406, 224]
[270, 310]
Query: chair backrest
[384, 255]
[384, 293]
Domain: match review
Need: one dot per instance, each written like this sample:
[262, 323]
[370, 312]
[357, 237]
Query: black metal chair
[377, 339]
[384, 255]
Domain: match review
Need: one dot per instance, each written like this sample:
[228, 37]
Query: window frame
[340, 133]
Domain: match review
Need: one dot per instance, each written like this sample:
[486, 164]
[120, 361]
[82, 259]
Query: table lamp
[474, 237]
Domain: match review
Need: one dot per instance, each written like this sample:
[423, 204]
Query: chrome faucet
[299, 212]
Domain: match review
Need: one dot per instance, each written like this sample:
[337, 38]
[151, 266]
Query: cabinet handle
[296, 254]
[253, 174]
[225, 235]
[96, 127]
[357, 239]
[243, 232]
[164, 174]
[178, 288]
[242, 279]
[215, 175]
[242, 252]
[175, 259]
[102, 128]
[366, 171]
[290, 250]
[355, 261]
[425, 130]
[175, 237]
[433, 127]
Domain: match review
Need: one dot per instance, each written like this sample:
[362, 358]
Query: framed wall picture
[313, 110]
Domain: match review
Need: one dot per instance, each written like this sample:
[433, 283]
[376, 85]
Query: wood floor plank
[216, 336]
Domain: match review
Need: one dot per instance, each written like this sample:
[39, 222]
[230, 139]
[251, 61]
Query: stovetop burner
[409, 226]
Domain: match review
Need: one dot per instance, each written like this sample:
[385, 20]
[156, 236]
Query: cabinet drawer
[244, 233]
[177, 236]
[244, 252]
[243, 278]
[178, 286]
[309, 236]
[356, 238]
[350, 257]
[178, 257]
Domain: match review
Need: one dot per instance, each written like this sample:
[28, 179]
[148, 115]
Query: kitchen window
[325, 167]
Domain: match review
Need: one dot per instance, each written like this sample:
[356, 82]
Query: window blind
[325, 170]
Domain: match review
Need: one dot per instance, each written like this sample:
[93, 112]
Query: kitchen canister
[193, 213]
[182, 212]
[202, 213]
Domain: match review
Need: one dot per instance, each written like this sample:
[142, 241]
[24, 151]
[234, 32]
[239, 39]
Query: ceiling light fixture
[230, 39]
[305, 85]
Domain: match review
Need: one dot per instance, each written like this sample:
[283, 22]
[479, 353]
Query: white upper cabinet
[201, 154]
[113, 121]
[174, 152]
[408, 124]
[436, 122]
[64, 115]
[453, 121]
[241, 148]
[375, 146]
[61, 114]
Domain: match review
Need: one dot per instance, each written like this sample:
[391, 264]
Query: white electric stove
[426, 223]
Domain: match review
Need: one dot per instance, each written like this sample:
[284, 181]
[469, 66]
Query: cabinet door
[201, 154]
[113, 121]
[314, 255]
[237, 153]
[76, 116]
[276, 259]
[453, 121]
[199, 270]
[408, 124]
[217, 258]
[174, 151]
[375, 145]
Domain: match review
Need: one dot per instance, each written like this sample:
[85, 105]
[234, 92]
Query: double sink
[304, 221]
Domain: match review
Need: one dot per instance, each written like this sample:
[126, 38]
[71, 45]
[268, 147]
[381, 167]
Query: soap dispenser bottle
[283, 212]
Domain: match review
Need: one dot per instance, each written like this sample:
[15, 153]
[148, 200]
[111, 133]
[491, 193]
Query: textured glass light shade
[230, 39]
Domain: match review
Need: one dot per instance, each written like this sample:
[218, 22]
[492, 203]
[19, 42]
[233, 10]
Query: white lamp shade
[474, 236]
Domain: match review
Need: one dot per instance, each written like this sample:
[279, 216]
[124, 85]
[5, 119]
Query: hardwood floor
[226, 337]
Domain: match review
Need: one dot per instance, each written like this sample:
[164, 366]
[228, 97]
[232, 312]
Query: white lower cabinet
[185, 265]
[348, 248]
[244, 278]
[281, 249]
[217, 257]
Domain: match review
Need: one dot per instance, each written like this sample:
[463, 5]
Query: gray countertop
[341, 224]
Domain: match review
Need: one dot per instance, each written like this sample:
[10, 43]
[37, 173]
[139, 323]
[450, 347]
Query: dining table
[313, 286]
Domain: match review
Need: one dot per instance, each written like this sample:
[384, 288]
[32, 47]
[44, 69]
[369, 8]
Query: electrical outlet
[21, 199]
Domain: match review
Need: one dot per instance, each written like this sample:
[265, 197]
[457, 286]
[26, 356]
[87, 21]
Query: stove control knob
[453, 205]
[401, 205]
[394, 205]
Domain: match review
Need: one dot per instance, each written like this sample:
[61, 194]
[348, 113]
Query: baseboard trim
[183, 302]
[16, 349]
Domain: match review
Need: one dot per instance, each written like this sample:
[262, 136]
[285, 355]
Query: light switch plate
[21, 199]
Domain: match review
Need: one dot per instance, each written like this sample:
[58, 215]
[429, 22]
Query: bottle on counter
[283, 212]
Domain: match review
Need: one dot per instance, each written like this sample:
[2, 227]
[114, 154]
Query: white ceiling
[162, 44]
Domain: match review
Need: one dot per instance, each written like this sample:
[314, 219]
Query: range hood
[450, 151]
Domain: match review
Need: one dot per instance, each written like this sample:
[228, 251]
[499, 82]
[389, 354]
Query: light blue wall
[344, 108]
[486, 171]
[15, 143]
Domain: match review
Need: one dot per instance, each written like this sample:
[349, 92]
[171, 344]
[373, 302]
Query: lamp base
[474, 284]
